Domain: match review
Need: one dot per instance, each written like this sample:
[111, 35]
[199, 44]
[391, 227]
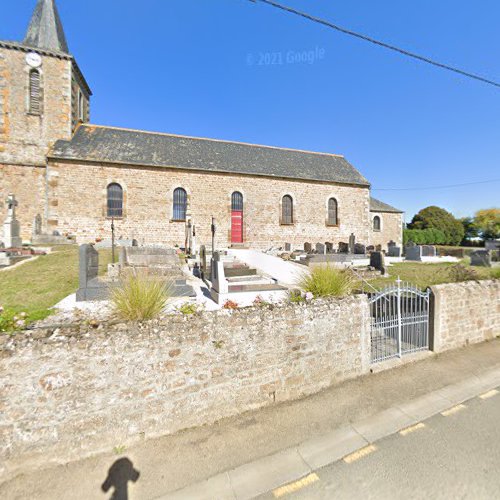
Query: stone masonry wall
[391, 229]
[28, 184]
[148, 194]
[466, 313]
[25, 138]
[76, 391]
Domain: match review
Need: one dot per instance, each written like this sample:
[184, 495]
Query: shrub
[429, 236]
[327, 281]
[296, 297]
[140, 297]
[10, 321]
[260, 302]
[459, 272]
[188, 309]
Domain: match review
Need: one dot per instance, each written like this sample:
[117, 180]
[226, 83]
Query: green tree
[470, 229]
[438, 218]
[487, 221]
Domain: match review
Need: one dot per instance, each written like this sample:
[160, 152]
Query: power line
[378, 42]
[437, 187]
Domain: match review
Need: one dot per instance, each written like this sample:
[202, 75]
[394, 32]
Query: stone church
[78, 177]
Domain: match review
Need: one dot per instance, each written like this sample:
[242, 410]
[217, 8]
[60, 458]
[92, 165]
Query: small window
[237, 202]
[180, 204]
[287, 210]
[376, 223]
[81, 110]
[35, 99]
[332, 212]
[115, 200]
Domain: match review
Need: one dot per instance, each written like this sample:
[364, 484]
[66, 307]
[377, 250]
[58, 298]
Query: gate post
[398, 281]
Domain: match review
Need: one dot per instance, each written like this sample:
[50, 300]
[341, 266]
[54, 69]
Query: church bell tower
[43, 93]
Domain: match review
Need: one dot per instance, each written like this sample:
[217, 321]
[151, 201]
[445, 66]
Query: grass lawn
[36, 286]
[424, 275]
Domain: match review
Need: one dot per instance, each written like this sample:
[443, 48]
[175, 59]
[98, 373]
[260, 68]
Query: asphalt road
[456, 456]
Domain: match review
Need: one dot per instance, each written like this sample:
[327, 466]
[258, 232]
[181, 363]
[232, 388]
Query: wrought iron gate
[399, 321]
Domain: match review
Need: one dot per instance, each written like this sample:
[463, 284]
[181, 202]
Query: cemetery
[208, 277]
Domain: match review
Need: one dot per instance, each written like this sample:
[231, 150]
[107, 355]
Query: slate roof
[134, 147]
[45, 30]
[380, 206]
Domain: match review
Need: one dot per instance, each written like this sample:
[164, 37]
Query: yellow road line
[363, 452]
[489, 394]
[296, 486]
[413, 428]
[453, 410]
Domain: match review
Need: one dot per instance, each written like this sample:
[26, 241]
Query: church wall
[24, 138]
[77, 205]
[391, 229]
[28, 185]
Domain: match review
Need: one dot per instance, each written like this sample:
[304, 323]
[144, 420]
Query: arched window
[287, 210]
[237, 201]
[35, 99]
[115, 200]
[333, 212]
[376, 223]
[180, 204]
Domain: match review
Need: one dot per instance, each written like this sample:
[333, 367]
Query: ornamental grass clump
[141, 297]
[327, 281]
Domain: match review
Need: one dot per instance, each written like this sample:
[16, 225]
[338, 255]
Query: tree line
[436, 226]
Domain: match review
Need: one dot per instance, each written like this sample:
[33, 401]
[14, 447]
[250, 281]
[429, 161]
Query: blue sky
[204, 68]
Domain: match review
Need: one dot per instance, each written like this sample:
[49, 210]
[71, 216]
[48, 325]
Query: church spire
[45, 30]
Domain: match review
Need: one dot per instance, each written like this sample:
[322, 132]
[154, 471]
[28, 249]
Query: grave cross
[11, 206]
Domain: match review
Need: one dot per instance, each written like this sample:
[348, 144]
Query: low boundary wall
[76, 391]
[465, 313]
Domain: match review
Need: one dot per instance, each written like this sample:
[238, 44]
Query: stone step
[271, 287]
[239, 271]
[240, 279]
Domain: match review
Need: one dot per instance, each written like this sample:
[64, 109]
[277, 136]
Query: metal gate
[399, 321]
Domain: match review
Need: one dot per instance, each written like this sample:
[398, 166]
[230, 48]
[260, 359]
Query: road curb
[260, 476]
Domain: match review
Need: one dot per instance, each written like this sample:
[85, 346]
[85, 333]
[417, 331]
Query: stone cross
[11, 206]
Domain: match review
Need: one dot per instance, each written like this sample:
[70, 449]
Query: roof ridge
[90, 125]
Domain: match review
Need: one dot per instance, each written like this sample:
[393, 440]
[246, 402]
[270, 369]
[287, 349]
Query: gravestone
[37, 225]
[492, 245]
[194, 246]
[288, 247]
[343, 247]
[413, 253]
[11, 228]
[428, 251]
[359, 249]
[391, 244]
[219, 281]
[307, 247]
[394, 251]
[320, 248]
[329, 247]
[90, 287]
[481, 258]
[203, 261]
[352, 243]
[377, 261]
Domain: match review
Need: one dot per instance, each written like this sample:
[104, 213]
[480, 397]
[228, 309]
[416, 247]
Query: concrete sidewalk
[273, 446]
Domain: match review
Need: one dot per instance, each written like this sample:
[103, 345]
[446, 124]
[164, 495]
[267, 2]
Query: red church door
[237, 218]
